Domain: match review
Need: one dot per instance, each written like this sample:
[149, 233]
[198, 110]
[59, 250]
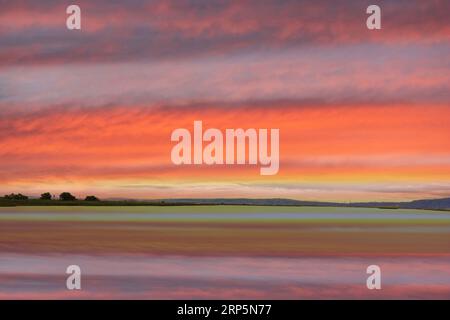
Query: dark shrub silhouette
[46, 196]
[91, 198]
[66, 196]
[14, 196]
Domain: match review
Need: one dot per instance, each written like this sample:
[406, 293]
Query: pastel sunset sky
[363, 115]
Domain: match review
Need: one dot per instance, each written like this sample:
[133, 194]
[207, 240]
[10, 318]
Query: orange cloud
[131, 145]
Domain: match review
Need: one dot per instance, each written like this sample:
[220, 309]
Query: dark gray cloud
[34, 32]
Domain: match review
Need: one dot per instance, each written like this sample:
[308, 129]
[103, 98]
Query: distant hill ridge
[431, 204]
[443, 203]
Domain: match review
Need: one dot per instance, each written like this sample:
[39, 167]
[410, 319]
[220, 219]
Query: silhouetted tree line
[65, 196]
[14, 196]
